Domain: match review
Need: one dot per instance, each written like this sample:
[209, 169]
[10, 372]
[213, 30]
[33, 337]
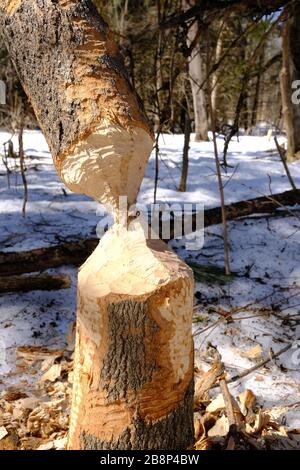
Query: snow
[264, 252]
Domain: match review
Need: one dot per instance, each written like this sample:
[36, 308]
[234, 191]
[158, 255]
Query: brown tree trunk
[133, 370]
[31, 283]
[290, 73]
[185, 156]
[133, 378]
[196, 77]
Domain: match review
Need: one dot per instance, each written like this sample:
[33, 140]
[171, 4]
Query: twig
[229, 407]
[240, 376]
[286, 167]
[220, 182]
[22, 168]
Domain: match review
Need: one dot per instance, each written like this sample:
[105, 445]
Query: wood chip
[60, 444]
[247, 400]
[216, 405]
[221, 428]
[46, 446]
[52, 374]
[3, 432]
[252, 353]
[36, 353]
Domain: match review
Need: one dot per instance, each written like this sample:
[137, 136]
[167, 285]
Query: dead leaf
[203, 444]
[52, 374]
[259, 378]
[216, 405]
[13, 395]
[47, 363]
[3, 432]
[221, 428]
[247, 400]
[207, 380]
[46, 446]
[252, 353]
[262, 419]
[60, 444]
[36, 353]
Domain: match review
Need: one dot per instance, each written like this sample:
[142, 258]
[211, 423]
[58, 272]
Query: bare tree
[290, 74]
[196, 76]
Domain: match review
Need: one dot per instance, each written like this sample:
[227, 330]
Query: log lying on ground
[31, 283]
[135, 307]
[75, 253]
[258, 205]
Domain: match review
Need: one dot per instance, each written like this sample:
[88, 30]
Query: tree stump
[133, 378]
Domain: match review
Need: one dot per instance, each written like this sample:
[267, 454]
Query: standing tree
[196, 76]
[290, 74]
[133, 377]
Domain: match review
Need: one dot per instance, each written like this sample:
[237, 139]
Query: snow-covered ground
[264, 252]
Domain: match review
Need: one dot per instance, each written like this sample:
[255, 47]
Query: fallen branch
[31, 283]
[75, 253]
[285, 164]
[240, 376]
[258, 205]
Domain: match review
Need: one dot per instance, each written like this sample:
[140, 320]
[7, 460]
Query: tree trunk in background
[133, 368]
[257, 89]
[185, 156]
[215, 77]
[295, 70]
[289, 74]
[196, 76]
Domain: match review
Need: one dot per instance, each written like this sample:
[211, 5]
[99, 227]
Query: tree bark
[185, 156]
[210, 6]
[196, 77]
[133, 377]
[290, 73]
[133, 368]
[295, 71]
[74, 75]
[286, 91]
[31, 283]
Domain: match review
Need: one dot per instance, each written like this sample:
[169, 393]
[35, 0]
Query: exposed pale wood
[31, 283]
[74, 75]
[133, 378]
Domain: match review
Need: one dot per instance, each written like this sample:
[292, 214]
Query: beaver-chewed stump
[133, 378]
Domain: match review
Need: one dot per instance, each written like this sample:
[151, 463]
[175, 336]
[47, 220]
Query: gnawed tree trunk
[133, 371]
[289, 75]
[134, 320]
[196, 77]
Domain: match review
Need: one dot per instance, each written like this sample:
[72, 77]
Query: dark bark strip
[71, 69]
[175, 432]
[126, 366]
[30, 283]
[295, 68]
